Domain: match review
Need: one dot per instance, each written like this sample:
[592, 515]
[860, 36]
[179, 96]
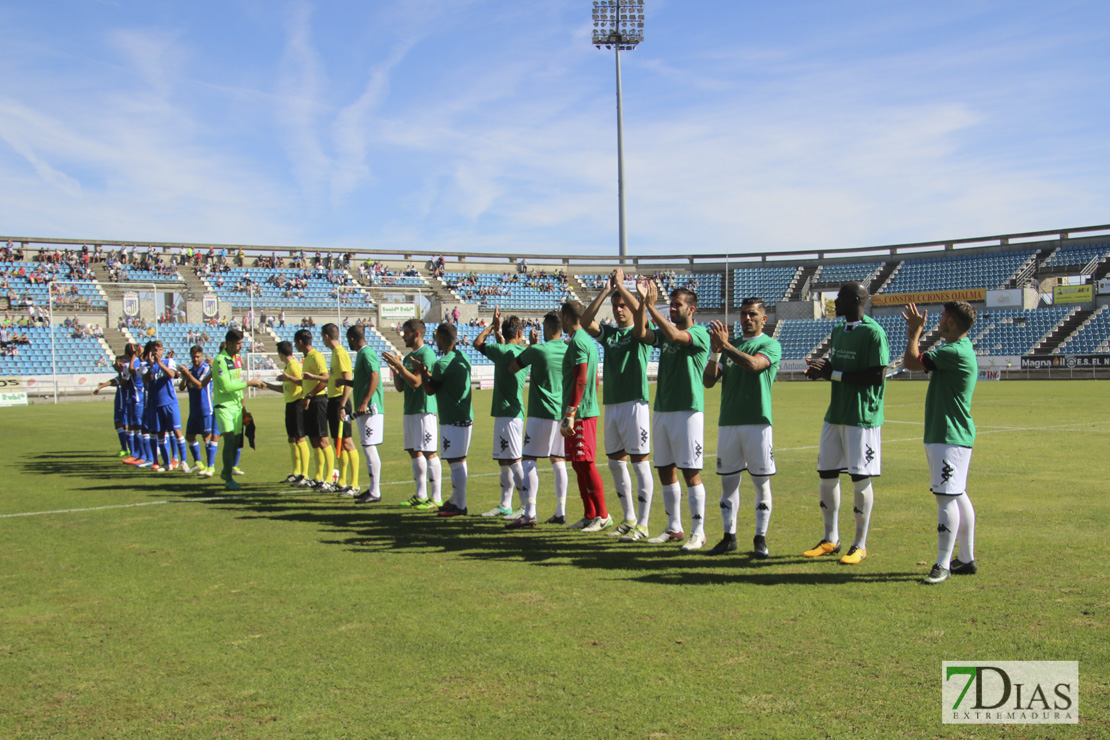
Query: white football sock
[559, 470]
[435, 479]
[517, 470]
[531, 488]
[967, 529]
[730, 501]
[948, 523]
[374, 468]
[622, 483]
[696, 496]
[672, 506]
[645, 487]
[506, 487]
[458, 483]
[762, 486]
[420, 475]
[830, 507]
[864, 500]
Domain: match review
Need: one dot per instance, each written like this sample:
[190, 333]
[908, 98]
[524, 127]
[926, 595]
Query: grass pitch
[154, 606]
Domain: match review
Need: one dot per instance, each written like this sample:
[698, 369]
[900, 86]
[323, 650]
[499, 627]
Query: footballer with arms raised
[624, 394]
[679, 423]
[949, 430]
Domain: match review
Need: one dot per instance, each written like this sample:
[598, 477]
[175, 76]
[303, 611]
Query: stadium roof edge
[1000, 240]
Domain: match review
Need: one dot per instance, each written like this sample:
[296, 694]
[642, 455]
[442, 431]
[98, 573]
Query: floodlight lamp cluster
[618, 23]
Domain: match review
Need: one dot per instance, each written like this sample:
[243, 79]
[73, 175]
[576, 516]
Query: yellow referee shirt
[340, 363]
[313, 363]
[292, 389]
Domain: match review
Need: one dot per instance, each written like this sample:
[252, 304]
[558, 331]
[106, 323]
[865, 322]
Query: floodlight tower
[619, 25]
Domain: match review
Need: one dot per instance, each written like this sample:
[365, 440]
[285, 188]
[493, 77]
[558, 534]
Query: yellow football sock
[320, 460]
[329, 463]
[295, 454]
[352, 461]
[342, 466]
[306, 455]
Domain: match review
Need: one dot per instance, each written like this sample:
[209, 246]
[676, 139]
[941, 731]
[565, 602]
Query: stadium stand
[952, 273]
[87, 355]
[23, 280]
[1092, 337]
[800, 337]
[286, 288]
[1014, 331]
[838, 273]
[769, 283]
[1079, 255]
[509, 291]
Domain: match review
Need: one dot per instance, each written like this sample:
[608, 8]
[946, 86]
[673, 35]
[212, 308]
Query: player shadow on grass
[390, 530]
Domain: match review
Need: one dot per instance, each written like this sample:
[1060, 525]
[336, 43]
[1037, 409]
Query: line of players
[563, 410]
[147, 415]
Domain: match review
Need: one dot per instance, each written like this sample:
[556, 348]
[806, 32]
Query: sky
[490, 125]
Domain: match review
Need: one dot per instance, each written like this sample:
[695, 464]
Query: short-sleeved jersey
[200, 399]
[137, 386]
[626, 362]
[416, 400]
[746, 396]
[451, 374]
[508, 387]
[853, 351]
[160, 384]
[227, 381]
[953, 372]
[340, 363]
[581, 349]
[681, 367]
[292, 390]
[366, 364]
[545, 362]
[314, 363]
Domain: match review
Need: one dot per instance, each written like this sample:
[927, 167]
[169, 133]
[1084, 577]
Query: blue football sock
[181, 455]
[195, 449]
[164, 443]
[131, 443]
[148, 450]
[212, 447]
[123, 440]
[238, 454]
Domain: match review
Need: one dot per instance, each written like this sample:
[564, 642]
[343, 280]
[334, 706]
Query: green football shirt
[863, 347]
[508, 387]
[581, 349]
[746, 396]
[416, 400]
[366, 363]
[451, 374]
[680, 371]
[545, 395]
[953, 372]
[626, 363]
